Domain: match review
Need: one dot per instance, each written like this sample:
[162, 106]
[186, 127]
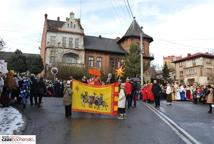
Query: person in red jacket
[128, 90]
[150, 94]
[144, 93]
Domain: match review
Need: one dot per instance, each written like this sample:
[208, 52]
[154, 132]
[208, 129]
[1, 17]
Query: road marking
[185, 136]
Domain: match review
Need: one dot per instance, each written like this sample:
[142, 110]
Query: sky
[178, 27]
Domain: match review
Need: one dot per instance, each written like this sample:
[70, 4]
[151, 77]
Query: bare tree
[2, 44]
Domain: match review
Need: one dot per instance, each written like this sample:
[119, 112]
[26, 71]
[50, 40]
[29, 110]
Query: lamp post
[141, 55]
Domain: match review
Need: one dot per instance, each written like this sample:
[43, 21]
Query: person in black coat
[33, 90]
[156, 90]
[41, 90]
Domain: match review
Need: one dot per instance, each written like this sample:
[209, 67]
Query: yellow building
[196, 68]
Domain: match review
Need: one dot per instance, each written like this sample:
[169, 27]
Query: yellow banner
[92, 99]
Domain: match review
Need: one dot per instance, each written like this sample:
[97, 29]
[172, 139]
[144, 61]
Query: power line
[117, 13]
[127, 8]
[130, 9]
[175, 43]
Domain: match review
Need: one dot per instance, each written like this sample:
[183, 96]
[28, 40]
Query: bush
[65, 71]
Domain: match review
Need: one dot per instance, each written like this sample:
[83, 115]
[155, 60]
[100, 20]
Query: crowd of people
[16, 89]
[179, 92]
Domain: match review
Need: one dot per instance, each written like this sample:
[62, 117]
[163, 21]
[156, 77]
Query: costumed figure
[182, 93]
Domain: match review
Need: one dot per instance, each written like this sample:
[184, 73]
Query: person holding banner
[128, 90]
[67, 99]
[122, 102]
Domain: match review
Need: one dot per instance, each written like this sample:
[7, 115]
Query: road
[143, 126]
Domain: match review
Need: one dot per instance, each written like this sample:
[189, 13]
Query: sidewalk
[11, 121]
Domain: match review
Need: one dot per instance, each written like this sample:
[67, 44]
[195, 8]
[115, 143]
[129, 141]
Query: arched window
[70, 58]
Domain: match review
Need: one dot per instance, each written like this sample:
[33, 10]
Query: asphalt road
[192, 118]
[142, 126]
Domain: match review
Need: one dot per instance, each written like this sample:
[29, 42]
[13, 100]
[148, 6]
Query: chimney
[100, 36]
[67, 19]
[46, 16]
[117, 38]
[188, 54]
[58, 18]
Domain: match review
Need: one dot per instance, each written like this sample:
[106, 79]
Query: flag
[94, 99]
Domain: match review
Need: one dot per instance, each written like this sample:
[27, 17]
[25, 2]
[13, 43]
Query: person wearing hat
[67, 99]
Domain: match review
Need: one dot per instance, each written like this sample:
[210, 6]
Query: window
[76, 42]
[70, 42]
[180, 64]
[208, 61]
[71, 24]
[52, 53]
[181, 73]
[209, 71]
[74, 26]
[99, 62]
[90, 61]
[53, 40]
[52, 59]
[63, 41]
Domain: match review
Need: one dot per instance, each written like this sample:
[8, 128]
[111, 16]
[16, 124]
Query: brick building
[65, 42]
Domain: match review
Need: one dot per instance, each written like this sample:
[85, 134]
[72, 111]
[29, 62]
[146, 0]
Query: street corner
[11, 121]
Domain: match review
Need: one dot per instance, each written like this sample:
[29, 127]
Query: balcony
[60, 45]
[148, 56]
[71, 64]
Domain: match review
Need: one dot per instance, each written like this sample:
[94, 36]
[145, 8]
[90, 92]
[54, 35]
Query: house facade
[168, 60]
[65, 42]
[196, 68]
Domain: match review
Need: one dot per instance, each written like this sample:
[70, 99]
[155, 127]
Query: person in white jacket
[169, 94]
[122, 102]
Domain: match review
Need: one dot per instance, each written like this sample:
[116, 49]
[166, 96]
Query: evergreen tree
[34, 64]
[165, 71]
[17, 62]
[132, 61]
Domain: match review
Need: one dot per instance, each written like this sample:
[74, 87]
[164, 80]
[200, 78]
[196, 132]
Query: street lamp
[141, 55]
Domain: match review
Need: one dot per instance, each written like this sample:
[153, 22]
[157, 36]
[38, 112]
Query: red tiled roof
[197, 55]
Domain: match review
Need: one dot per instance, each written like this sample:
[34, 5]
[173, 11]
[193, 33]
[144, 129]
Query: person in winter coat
[41, 90]
[128, 91]
[33, 90]
[122, 102]
[24, 91]
[210, 98]
[67, 99]
[156, 90]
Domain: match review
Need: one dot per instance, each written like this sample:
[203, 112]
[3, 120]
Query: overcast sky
[178, 27]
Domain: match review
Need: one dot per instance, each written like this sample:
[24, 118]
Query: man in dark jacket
[41, 90]
[156, 90]
[33, 90]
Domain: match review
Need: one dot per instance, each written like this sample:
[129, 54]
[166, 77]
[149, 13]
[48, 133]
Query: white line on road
[185, 136]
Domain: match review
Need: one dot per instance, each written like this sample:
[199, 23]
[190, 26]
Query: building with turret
[65, 42]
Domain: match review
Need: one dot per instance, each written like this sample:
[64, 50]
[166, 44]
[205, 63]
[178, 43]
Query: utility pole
[141, 55]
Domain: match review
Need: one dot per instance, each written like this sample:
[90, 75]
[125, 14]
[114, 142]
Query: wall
[106, 68]
[126, 44]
